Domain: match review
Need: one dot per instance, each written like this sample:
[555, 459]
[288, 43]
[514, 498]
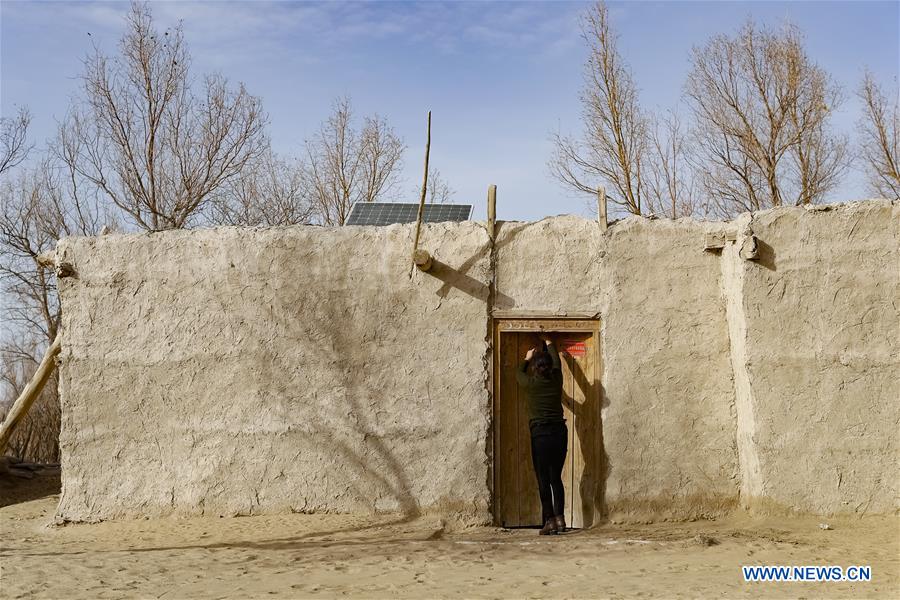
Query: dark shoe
[560, 523]
[549, 528]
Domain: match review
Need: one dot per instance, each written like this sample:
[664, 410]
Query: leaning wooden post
[422, 260]
[422, 198]
[492, 209]
[601, 208]
[29, 394]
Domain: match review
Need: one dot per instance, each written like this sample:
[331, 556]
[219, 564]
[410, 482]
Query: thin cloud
[220, 32]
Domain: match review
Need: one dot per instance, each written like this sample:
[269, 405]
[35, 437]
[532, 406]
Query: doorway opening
[516, 501]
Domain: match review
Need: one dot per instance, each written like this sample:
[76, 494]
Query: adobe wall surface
[669, 426]
[232, 371]
[235, 371]
[552, 266]
[667, 399]
[822, 310]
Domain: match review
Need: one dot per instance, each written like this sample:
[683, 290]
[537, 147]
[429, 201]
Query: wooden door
[516, 499]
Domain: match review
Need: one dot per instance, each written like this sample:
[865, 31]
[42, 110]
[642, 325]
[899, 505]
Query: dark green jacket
[544, 396]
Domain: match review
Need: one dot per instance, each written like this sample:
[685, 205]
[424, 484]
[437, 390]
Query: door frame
[533, 323]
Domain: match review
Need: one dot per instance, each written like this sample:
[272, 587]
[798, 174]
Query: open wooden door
[516, 501]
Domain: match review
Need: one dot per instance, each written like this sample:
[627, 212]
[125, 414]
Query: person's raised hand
[529, 354]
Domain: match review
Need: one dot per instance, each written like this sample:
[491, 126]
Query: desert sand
[390, 556]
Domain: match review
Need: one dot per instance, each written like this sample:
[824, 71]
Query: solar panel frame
[390, 213]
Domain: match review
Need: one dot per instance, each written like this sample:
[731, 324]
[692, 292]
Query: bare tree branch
[141, 135]
[611, 152]
[37, 207]
[345, 166]
[14, 147]
[880, 143]
[762, 113]
[438, 191]
[669, 177]
[271, 192]
[381, 153]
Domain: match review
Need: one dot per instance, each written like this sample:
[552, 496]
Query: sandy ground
[302, 556]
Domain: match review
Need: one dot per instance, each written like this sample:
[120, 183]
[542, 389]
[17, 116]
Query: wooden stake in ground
[601, 209]
[422, 197]
[492, 209]
[29, 394]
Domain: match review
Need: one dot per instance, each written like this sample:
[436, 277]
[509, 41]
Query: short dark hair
[543, 364]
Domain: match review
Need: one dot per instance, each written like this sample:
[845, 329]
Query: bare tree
[880, 144]
[669, 177]
[345, 165]
[611, 152]
[438, 191]
[382, 155]
[28, 229]
[14, 147]
[37, 207]
[142, 136]
[271, 192]
[762, 111]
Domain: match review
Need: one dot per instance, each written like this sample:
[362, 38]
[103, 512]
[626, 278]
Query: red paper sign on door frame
[574, 348]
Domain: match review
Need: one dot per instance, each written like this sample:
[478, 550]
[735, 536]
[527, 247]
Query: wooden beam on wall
[492, 209]
[422, 259]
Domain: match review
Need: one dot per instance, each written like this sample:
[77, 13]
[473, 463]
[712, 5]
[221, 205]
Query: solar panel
[388, 213]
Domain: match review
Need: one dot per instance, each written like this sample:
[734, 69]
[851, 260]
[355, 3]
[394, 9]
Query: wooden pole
[422, 260]
[29, 394]
[601, 209]
[492, 209]
[422, 197]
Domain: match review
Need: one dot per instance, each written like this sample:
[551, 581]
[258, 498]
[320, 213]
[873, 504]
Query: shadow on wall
[372, 471]
[589, 433]
[362, 475]
[457, 278]
[376, 466]
[380, 466]
[766, 256]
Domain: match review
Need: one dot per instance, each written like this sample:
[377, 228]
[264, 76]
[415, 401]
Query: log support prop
[29, 394]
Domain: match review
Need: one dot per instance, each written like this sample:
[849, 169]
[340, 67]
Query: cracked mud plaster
[275, 370]
[822, 308]
[237, 371]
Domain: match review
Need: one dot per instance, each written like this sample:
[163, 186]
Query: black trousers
[549, 444]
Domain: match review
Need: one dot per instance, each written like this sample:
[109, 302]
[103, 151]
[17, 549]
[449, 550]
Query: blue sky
[499, 77]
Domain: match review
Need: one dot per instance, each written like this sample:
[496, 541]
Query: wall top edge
[615, 224]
